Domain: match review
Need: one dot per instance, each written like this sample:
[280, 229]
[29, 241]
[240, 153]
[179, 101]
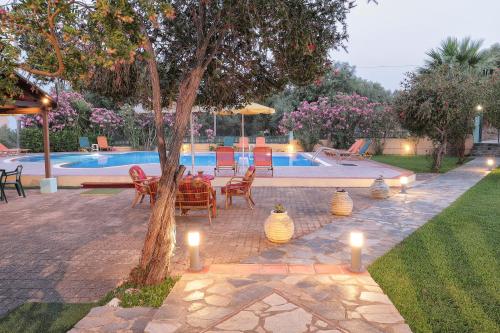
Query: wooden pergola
[33, 100]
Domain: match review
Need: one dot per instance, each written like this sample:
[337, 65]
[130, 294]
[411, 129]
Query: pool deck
[329, 174]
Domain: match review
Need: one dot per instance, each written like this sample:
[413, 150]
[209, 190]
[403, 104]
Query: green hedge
[65, 140]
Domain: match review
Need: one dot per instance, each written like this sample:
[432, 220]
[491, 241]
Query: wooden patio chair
[143, 185]
[240, 186]
[224, 159]
[263, 158]
[196, 194]
[102, 141]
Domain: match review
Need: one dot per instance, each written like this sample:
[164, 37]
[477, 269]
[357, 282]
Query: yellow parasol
[251, 109]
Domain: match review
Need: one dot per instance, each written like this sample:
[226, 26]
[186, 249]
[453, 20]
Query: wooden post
[46, 142]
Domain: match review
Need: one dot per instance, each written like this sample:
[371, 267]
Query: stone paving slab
[346, 302]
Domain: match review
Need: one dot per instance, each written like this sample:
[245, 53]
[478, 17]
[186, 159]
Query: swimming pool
[104, 160]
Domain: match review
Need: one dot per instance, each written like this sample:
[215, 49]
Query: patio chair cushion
[194, 192]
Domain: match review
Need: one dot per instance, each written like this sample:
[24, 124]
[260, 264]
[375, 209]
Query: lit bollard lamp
[490, 163]
[194, 251]
[404, 184]
[356, 245]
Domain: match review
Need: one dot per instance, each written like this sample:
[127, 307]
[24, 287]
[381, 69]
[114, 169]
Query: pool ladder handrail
[321, 149]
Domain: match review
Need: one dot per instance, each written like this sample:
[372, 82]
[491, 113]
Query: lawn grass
[445, 277]
[418, 164]
[44, 317]
[60, 317]
[152, 296]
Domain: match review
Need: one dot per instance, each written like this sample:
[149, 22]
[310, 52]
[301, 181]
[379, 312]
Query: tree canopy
[440, 104]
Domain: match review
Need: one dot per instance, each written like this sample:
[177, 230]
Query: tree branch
[53, 41]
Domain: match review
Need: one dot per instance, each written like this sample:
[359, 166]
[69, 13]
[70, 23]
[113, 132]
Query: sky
[391, 38]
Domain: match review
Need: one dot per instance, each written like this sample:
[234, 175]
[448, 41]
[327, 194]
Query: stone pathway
[384, 224]
[304, 286]
[277, 298]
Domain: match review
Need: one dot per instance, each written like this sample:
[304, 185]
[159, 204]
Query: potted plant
[379, 189]
[341, 203]
[279, 226]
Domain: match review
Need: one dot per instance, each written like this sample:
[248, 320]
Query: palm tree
[465, 53]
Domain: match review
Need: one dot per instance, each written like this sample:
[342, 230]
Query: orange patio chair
[11, 151]
[260, 141]
[196, 194]
[143, 185]
[340, 154]
[263, 158]
[243, 144]
[224, 159]
[240, 186]
[102, 141]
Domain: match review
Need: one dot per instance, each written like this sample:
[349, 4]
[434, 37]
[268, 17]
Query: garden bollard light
[356, 245]
[490, 163]
[194, 251]
[404, 183]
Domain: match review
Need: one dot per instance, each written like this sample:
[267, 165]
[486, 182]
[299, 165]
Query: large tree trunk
[438, 155]
[160, 238]
[156, 99]
[461, 151]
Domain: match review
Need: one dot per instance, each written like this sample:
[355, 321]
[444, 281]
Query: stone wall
[414, 146]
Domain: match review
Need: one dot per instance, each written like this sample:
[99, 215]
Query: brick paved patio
[74, 248]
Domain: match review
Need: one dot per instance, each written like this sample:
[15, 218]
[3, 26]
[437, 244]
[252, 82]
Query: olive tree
[440, 104]
[210, 52]
[492, 104]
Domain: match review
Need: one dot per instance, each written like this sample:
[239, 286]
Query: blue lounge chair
[84, 143]
[229, 141]
[363, 151]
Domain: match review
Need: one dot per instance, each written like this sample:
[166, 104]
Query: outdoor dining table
[205, 177]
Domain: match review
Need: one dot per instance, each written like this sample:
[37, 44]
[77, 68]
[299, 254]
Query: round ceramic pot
[341, 204]
[379, 189]
[279, 227]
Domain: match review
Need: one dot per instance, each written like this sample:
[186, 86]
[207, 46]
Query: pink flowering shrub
[64, 116]
[341, 120]
[105, 121]
[210, 134]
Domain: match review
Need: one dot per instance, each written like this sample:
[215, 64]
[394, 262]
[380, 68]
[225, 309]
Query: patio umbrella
[251, 109]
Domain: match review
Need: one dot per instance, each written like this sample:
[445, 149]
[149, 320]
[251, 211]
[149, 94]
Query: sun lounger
[11, 151]
[224, 159]
[243, 144]
[263, 158]
[357, 150]
[228, 141]
[102, 141]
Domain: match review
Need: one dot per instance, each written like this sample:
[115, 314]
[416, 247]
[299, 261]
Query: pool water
[103, 160]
